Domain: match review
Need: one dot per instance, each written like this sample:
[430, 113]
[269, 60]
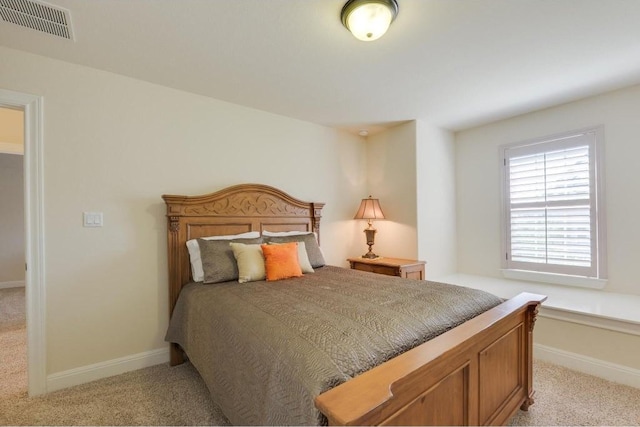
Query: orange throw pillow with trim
[281, 261]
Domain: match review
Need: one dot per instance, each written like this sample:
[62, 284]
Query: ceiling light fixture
[368, 20]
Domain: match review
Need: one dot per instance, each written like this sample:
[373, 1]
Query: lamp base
[370, 232]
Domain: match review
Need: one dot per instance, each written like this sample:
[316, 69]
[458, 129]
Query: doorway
[33, 192]
[13, 333]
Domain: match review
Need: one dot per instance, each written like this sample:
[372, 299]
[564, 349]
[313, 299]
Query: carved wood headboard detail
[234, 210]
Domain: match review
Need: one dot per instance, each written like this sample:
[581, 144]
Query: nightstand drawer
[380, 269]
[406, 268]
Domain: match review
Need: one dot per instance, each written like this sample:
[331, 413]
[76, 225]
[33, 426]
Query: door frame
[34, 235]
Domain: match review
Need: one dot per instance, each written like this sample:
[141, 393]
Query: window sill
[608, 310]
[556, 279]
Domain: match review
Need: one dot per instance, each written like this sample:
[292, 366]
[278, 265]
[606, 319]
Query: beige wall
[115, 145]
[602, 344]
[478, 181]
[391, 166]
[411, 169]
[11, 218]
[436, 199]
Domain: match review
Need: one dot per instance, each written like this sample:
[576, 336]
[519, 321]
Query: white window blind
[551, 207]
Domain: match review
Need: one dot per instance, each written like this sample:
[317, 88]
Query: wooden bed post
[317, 214]
[531, 320]
[176, 355]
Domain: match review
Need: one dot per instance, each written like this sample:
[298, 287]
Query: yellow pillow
[250, 262]
[281, 261]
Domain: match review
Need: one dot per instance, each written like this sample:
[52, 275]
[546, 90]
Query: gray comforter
[267, 349]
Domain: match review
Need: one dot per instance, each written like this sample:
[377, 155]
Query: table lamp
[369, 209]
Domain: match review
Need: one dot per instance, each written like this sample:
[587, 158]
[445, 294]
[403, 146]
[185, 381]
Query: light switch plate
[92, 219]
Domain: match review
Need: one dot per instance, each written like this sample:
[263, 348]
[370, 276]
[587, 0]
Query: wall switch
[92, 219]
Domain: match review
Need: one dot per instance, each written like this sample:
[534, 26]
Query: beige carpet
[162, 395]
[565, 397]
[13, 342]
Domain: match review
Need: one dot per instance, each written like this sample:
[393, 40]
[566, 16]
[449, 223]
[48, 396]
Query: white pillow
[250, 261]
[303, 258]
[285, 233]
[197, 273]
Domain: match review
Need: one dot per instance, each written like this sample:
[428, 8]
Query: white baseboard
[106, 369]
[12, 284]
[609, 371]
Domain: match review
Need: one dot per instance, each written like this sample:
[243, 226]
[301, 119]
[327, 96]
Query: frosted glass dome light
[368, 20]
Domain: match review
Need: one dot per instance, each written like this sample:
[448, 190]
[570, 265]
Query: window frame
[551, 273]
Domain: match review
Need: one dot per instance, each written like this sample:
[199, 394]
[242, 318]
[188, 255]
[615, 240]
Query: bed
[478, 371]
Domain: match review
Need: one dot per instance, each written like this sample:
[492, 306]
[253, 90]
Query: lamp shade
[368, 20]
[369, 209]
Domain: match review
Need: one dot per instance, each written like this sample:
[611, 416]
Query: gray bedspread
[267, 349]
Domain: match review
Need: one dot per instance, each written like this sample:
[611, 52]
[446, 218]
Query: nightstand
[406, 268]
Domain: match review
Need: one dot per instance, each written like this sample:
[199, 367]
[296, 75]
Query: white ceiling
[452, 63]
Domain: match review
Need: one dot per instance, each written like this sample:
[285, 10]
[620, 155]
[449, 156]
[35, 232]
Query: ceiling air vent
[37, 15]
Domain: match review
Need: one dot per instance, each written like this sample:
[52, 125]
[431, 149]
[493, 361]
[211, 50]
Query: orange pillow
[281, 261]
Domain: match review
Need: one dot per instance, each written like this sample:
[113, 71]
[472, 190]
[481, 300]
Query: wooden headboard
[234, 210]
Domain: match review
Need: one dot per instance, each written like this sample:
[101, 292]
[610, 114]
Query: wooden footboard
[479, 373]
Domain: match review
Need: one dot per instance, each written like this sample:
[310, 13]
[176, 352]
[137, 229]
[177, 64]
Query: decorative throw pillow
[281, 261]
[311, 244]
[250, 262]
[303, 258]
[218, 262]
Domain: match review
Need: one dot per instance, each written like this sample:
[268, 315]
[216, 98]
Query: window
[552, 194]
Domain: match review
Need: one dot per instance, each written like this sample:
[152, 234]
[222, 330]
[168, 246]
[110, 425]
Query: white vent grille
[37, 15]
